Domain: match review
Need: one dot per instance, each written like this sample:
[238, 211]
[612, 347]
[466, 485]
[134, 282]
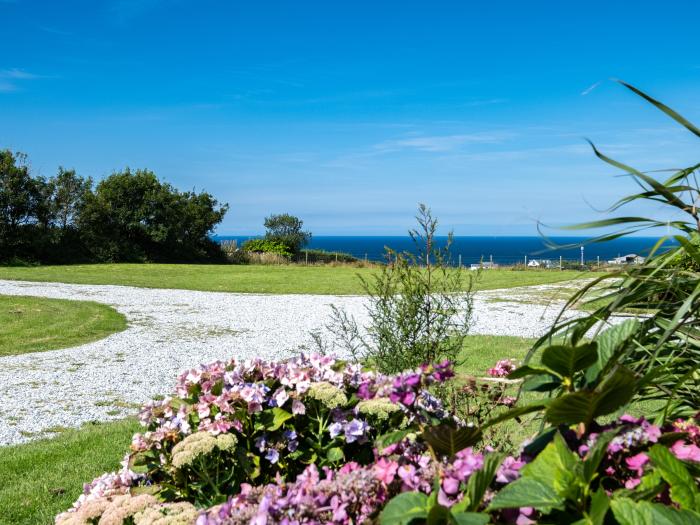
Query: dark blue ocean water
[503, 250]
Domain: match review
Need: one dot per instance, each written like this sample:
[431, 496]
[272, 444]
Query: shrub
[419, 307]
[288, 230]
[266, 246]
[213, 446]
[325, 257]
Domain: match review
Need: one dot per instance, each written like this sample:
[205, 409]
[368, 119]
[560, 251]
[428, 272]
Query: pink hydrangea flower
[502, 368]
[686, 452]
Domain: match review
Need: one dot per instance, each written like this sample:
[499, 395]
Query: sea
[474, 249]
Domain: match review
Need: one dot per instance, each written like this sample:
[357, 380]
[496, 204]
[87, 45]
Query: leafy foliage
[266, 246]
[129, 216]
[287, 230]
[419, 307]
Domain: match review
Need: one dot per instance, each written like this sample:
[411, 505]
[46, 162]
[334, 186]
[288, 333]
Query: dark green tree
[288, 230]
[67, 194]
[133, 216]
[21, 205]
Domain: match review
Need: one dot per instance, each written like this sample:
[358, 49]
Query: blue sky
[350, 113]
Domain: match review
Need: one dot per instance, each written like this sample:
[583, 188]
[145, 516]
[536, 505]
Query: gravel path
[171, 330]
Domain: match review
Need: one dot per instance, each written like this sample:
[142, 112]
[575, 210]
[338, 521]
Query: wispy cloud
[11, 78]
[17, 74]
[440, 143]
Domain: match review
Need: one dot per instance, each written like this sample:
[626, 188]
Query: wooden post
[306, 253]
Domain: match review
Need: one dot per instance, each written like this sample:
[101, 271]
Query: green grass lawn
[480, 352]
[340, 280]
[43, 478]
[30, 324]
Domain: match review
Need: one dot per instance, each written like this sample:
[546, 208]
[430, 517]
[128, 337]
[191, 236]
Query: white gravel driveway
[171, 330]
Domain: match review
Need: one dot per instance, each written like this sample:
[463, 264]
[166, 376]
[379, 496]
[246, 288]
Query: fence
[485, 260]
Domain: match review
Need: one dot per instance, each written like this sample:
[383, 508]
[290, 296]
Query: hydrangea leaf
[447, 440]
[335, 454]
[275, 418]
[405, 508]
[567, 360]
[630, 512]
[527, 492]
[470, 518]
[391, 438]
[684, 492]
[608, 342]
[438, 515]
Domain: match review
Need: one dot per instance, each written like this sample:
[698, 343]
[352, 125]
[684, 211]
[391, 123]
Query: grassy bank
[30, 324]
[251, 279]
[43, 478]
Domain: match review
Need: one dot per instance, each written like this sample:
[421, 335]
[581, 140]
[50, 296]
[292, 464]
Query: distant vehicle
[631, 258]
[484, 265]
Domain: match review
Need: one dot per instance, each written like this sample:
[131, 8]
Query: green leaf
[527, 492]
[541, 383]
[616, 391]
[404, 508]
[585, 405]
[555, 466]
[390, 438]
[470, 518]
[447, 440]
[567, 360]
[527, 371]
[275, 418]
[600, 504]
[630, 512]
[335, 454]
[546, 483]
[571, 408]
[479, 481]
[438, 515]
[608, 342]
[671, 113]
[684, 492]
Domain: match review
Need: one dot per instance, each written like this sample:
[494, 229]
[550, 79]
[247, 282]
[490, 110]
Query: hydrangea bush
[240, 423]
[313, 440]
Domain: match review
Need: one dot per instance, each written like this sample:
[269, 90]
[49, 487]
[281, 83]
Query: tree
[133, 216]
[287, 229]
[20, 204]
[67, 195]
